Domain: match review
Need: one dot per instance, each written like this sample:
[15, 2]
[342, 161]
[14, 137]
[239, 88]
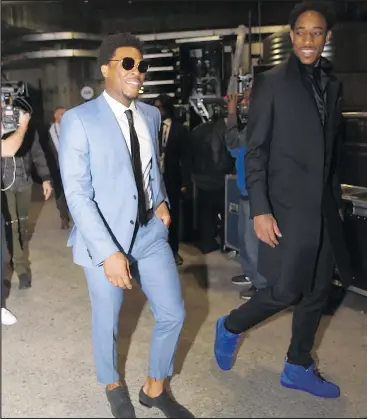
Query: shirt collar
[54, 126]
[168, 122]
[117, 107]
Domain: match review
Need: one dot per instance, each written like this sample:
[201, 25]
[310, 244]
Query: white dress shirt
[144, 140]
[55, 135]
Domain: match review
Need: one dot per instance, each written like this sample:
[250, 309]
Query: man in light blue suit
[110, 171]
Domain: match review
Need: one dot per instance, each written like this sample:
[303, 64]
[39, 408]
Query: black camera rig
[13, 96]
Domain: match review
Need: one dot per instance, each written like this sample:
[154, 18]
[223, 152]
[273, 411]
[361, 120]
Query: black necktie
[136, 163]
[314, 75]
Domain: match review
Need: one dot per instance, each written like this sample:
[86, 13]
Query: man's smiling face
[309, 37]
[123, 84]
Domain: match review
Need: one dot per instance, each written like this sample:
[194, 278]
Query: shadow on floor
[195, 294]
[263, 396]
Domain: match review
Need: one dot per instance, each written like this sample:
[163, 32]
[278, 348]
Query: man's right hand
[117, 270]
[266, 229]
[232, 103]
[24, 120]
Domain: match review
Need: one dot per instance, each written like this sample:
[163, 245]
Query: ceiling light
[198, 39]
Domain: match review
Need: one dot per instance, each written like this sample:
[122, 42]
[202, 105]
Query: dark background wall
[60, 80]
[142, 16]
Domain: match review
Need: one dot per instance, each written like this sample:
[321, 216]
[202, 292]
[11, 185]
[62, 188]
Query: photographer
[248, 243]
[16, 198]
[8, 149]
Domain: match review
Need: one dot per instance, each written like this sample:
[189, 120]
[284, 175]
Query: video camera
[12, 102]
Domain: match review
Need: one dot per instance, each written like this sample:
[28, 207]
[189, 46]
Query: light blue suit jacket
[98, 179]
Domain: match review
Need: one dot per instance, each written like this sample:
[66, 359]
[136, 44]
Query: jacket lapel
[155, 175]
[113, 130]
[304, 90]
[151, 128]
[332, 92]
[332, 104]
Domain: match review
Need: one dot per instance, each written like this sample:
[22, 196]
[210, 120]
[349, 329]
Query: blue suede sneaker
[225, 345]
[308, 380]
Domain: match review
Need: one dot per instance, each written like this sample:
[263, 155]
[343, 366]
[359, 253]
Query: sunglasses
[129, 63]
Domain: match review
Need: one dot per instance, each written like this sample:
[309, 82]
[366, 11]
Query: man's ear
[291, 34]
[328, 36]
[104, 70]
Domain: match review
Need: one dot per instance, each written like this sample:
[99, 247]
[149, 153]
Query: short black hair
[317, 6]
[112, 42]
[166, 102]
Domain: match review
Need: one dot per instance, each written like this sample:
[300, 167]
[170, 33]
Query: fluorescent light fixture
[198, 39]
[158, 55]
[153, 95]
[163, 68]
[158, 82]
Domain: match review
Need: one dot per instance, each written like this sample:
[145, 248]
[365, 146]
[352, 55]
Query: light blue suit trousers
[154, 268]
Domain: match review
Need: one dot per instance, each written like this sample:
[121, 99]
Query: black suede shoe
[121, 406]
[166, 404]
[24, 281]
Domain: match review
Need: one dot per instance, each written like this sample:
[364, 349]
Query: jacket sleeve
[337, 190]
[235, 152]
[234, 137]
[74, 160]
[217, 134]
[39, 159]
[259, 131]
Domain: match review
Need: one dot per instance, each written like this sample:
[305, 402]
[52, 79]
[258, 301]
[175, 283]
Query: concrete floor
[47, 364]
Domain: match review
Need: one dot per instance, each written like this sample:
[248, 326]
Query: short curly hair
[166, 102]
[112, 42]
[317, 6]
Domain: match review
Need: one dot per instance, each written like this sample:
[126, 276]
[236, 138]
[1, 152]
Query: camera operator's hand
[232, 103]
[24, 120]
[47, 189]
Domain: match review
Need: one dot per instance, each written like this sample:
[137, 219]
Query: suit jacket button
[131, 222]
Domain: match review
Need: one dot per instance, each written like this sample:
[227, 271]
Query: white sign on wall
[87, 92]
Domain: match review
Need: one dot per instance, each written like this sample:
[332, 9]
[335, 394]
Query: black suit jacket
[291, 164]
[175, 175]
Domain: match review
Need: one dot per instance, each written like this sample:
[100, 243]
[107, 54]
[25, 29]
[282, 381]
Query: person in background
[293, 149]
[54, 136]
[248, 242]
[109, 162]
[16, 199]
[9, 147]
[209, 161]
[173, 141]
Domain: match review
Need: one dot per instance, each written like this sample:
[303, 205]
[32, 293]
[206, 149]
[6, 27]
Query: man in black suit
[295, 198]
[172, 144]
